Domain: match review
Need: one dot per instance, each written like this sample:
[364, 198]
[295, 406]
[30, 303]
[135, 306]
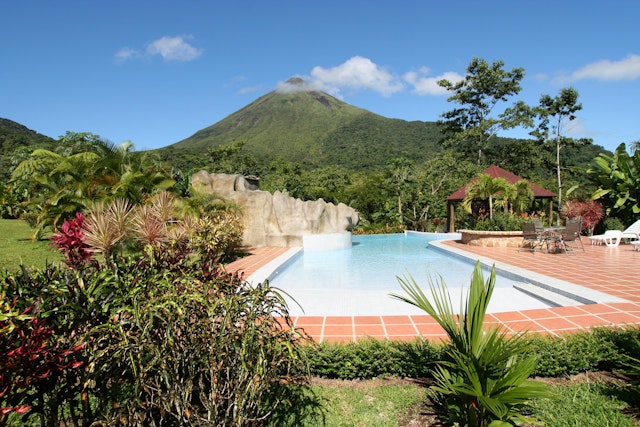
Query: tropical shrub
[164, 337]
[191, 345]
[55, 308]
[617, 178]
[613, 223]
[484, 379]
[501, 222]
[32, 361]
[117, 226]
[590, 211]
[372, 358]
[70, 240]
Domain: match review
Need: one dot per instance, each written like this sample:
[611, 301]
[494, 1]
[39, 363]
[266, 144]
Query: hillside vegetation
[17, 142]
[314, 129]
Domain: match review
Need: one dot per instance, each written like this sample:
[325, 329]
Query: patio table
[552, 235]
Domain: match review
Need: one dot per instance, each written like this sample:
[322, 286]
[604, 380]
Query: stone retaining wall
[492, 239]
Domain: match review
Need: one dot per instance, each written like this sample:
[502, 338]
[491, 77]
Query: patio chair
[609, 238]
[538, 224]
[636, 245]
[632, 232]
[530, 237]
[570, 237]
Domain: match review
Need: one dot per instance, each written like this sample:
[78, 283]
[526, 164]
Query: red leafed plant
[70, 240]
[590, 211]
[29, 358]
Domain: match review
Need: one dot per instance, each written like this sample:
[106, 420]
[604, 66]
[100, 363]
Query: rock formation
[276, 219]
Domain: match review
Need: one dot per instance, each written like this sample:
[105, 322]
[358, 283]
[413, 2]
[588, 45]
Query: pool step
[550, 296]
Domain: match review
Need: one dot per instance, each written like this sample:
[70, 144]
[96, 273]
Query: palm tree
[59, 186]
[485, 382]
[485, 187]
[518, 196]
[62, 184]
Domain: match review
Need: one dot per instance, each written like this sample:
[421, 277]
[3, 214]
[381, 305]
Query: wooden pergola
[495, 172]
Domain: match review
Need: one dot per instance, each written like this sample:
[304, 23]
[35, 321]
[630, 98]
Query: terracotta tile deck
[612, 270]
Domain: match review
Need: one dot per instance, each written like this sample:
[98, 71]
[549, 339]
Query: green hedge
[590, 350]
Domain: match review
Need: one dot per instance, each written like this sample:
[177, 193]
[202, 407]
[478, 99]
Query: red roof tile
[497, 172]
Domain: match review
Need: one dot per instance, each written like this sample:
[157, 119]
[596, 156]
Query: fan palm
[485, 187]
[485, 381]
[517, 196]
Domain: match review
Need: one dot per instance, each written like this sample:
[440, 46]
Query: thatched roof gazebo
[495, 172]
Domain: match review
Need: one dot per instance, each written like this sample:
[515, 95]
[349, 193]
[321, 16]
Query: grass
[593, 400]
[367, 403]
[16, 247]
[589, 403]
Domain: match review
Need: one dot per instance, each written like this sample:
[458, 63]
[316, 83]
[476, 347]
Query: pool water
[358, 280]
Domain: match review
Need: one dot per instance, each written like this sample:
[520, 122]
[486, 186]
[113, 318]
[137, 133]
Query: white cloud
[425, 85]
[126, 53]
[250, 89]
[297, 84]
[625, 69]
[576, 128]
[169, 48]
[356, 73]
[173, 49]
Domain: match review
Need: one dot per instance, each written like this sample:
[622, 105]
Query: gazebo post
[550, 211]
[451, 209]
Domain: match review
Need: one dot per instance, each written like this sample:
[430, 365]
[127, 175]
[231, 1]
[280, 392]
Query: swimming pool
[358, 280]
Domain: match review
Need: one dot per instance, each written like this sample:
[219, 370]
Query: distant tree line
[390, 182]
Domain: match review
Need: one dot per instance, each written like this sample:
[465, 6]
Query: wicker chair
[570, 237]
[530, 237]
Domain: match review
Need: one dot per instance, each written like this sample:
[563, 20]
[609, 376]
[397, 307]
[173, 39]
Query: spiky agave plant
[485, 380]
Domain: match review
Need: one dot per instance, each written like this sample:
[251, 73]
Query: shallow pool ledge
[326, 242]
[437, 236]
[271, 269]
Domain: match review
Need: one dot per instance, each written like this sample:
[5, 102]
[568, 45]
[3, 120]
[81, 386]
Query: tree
[518, 196]
[485, 187]
[618, 180]
[285, 177]
[433, 181]
[82, 170]
[475, 122]
[399, 173]
[231, 160]
[553, 114]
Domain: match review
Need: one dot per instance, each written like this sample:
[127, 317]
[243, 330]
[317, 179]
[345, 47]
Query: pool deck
[611, 270]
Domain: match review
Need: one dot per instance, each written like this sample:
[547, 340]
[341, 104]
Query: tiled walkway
[612, 270]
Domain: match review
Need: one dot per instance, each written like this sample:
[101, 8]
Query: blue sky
[155, 72]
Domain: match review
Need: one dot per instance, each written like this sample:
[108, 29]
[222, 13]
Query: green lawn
[17, 248]
[373, 403]
[593, 399]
